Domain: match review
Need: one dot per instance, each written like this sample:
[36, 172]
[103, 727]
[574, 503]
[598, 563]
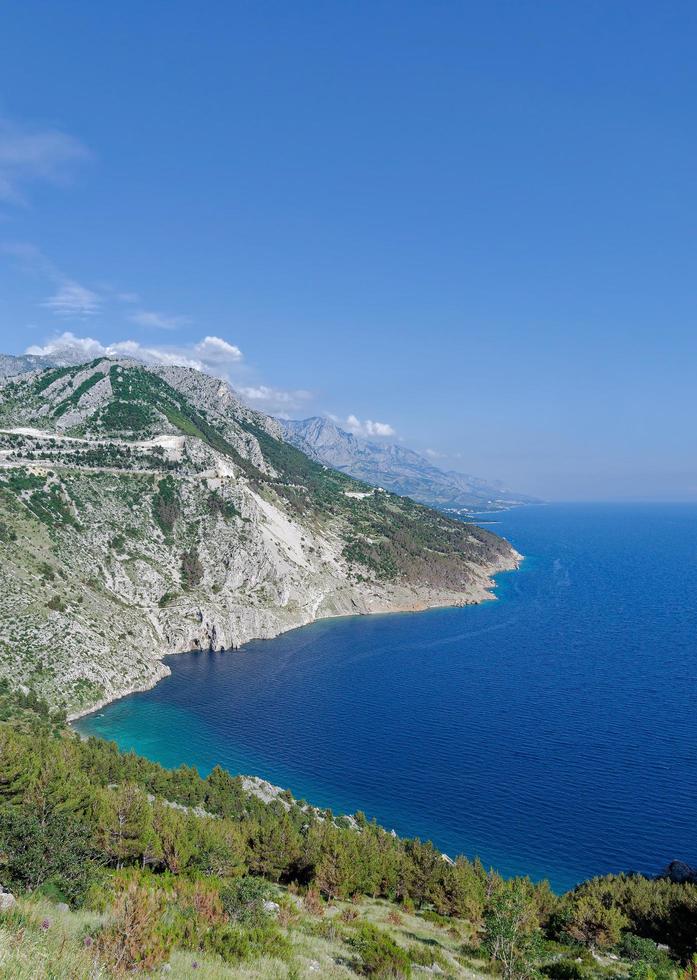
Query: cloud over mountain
[212, 354]
[276, 400]
[381, 430]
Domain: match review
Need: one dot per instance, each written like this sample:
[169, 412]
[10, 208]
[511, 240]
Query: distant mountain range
[396, 468]
[10, 365]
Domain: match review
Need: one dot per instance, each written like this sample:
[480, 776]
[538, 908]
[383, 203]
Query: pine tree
[125, 825]
[512, 929]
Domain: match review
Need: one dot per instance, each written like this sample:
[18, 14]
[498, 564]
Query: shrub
[380, 956]
[646, 958]
[192, 569]
[55, 850]
[657, 909]
[217, 506]
[134, 939]
[422, 954]
[235, 945]
[243, 900]
[287, 914]
[165, 504]
[313, 902]
[592, 922]
[565, 970]
[690, 972]
[7, 534]
[512, 933]
[635, 948]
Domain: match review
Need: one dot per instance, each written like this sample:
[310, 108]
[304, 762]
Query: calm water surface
[552, 732]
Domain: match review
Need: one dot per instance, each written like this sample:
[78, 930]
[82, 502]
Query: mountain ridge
[380, 463]
[14, 364]
[396, 468]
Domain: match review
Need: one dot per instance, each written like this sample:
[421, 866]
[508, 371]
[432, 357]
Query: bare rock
[680, 872]
[7, 901]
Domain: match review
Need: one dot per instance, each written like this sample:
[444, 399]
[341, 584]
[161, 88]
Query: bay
[551, 732]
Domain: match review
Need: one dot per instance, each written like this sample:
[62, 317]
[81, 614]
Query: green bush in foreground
[235, 945]
[174, 861]
[380, 956]
[244, 899]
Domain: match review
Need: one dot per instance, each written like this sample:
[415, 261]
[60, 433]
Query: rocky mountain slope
[147, 511]
[11, 365]
[396, 468]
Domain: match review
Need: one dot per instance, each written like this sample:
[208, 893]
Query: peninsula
[147, 511]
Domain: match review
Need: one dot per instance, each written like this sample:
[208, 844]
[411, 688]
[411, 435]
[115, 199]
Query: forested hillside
[114, 865]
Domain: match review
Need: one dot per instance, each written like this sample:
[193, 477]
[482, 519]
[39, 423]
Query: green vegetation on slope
[165, 866]
[393, 537]
[73, 399]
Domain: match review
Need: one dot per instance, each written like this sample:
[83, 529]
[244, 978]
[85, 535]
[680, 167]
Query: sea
[551, 732]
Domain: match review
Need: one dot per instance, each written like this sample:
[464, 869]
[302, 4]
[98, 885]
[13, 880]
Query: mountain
[396, 468]
[11, 365]
[147, 511]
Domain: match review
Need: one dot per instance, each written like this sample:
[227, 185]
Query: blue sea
[552, 732]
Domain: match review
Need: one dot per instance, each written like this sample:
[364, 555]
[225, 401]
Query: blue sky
[472, 223]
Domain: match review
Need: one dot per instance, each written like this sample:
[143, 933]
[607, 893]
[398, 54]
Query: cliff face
[148, 512]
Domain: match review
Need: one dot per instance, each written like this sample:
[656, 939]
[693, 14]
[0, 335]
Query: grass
[41, 941]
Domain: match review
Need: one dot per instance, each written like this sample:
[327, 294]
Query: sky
[467, 226]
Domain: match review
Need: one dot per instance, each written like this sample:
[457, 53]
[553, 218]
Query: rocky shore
[346, 600]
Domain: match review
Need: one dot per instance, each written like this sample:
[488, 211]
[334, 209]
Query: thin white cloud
[28, 256]
[69, 297]
[212, 355]
[381, 430]
[275, 400]
[29, 154]
[161, 321]
[434, 454]
[72, 299]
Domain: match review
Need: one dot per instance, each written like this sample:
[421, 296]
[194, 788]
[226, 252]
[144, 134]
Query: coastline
[447, 600]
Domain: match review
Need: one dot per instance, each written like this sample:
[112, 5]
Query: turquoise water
[552, 732]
